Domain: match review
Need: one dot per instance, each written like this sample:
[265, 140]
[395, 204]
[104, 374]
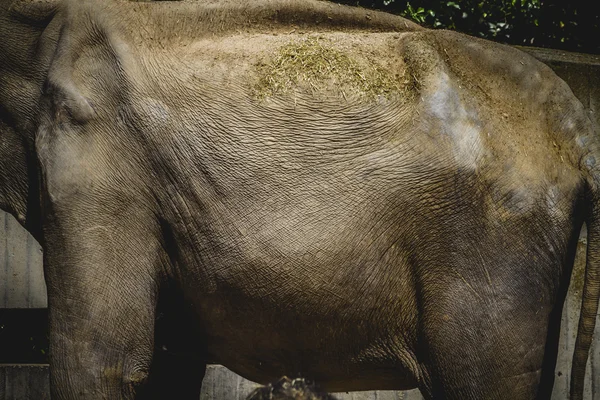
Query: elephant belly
[349, 326]
[263, 347]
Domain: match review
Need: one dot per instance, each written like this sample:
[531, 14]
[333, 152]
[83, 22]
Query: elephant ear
[66, 94]
[60, 84]
[37, 12]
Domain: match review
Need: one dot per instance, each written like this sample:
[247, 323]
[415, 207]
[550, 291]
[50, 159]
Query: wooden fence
[22, 285]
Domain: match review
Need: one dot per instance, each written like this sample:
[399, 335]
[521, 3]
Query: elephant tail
[591, 286]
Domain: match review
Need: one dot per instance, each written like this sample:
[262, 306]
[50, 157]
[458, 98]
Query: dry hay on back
[317, 64]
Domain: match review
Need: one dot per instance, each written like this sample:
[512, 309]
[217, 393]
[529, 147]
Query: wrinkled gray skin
[421, 239]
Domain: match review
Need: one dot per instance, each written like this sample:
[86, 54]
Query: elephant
[294, 187]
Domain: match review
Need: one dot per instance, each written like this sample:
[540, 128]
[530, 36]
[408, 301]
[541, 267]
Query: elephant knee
[131, 382]
[135, 383]
[136, 378]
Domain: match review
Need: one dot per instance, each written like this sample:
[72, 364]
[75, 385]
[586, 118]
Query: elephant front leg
[102, 282]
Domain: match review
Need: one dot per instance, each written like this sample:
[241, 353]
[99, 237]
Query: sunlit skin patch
[455, 121]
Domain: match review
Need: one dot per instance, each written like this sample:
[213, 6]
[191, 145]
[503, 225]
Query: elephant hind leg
[475, 348]
[489, 375]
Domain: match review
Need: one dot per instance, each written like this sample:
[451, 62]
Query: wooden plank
[14, 285]
[577, 77]
[22, 282]
[569, 323]
[24, 382]
[244, 387]
[553, 55]
[221, 383]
